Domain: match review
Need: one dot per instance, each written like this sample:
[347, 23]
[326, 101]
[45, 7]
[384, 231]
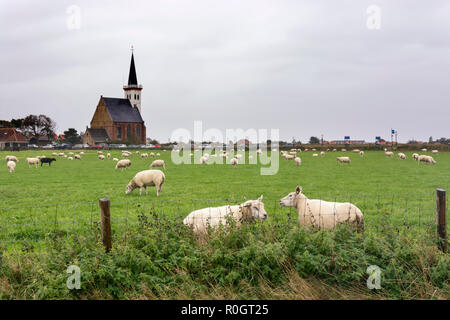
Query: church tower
[133, 89]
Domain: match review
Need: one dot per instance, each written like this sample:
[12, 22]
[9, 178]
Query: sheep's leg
[140, 190]
[146, 190]
[158, 190]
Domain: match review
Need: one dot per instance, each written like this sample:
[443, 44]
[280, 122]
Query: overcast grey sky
[305, 67]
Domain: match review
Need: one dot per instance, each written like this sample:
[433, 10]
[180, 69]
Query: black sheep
[47, 160]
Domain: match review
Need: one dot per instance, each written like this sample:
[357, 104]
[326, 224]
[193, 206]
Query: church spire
[133, 89]
[132, 78]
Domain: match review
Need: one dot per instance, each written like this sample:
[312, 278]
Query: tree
[72, 136]
[430, 140]
[41, 125]
[314, 140]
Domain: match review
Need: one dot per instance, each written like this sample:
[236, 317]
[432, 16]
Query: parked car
[133, 146]
[77, 146]
[33, 146]
[122, 146]
[48, 146]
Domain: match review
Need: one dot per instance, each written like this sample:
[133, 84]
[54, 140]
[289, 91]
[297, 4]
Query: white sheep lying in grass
[11, 158]
[425, 158]
[146, 178]
[11, 166]
[202, 219]
[158, 163]
[77, 157]
[323, 214]
[343, 160]
[435, 151]
[123, 164]
[315, 155]
[32, 161]
[401, 156]
[298, 161]
[70, 158]
[115, 159]
[388, 153]
[101, 157]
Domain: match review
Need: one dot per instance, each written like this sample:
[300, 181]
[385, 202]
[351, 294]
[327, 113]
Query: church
[119, 120]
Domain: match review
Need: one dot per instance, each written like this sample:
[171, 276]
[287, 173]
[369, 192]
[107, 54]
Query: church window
[119, 132]
[128, 131]
[138, 131]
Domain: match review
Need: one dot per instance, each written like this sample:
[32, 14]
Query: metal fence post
[105, 222]
[441, 219]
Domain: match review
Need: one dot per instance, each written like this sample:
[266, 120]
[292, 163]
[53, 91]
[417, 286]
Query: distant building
[11, 138]
[119, 119]
[348, 142]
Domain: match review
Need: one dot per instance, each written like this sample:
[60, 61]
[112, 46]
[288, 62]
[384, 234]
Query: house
[11, 138]
[119, 120]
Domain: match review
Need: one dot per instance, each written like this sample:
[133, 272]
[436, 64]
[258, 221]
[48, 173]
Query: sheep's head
[289, 200]
[130, 187]
[254, 209]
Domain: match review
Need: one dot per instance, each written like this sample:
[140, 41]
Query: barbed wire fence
[22, 228]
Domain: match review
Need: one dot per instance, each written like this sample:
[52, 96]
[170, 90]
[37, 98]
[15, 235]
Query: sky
[308, 68]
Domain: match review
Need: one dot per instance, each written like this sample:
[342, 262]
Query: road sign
[378, 138]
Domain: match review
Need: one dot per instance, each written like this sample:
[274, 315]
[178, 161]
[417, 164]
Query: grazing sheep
[82, 153]
[99, 152]
[123, 164]
[115, 159]
[11, 166]
[158, 163]
[101, 157]
[54, 154]
[108, 155]
[344, 150]
[70, 153]
[125, 154]
[61, 154]
[313, 149]
[234, 162]
[424, 150]
[343, 160]
[137, 152]
[11, 158]
[355, 150]
[315, 155]
[415, 156]
[289, 156]
[334, 150]
[389, 154]
[322, 154]
[146, 178]
[203, 159]
[435, 151]
[202, 219]
[298, 161]
[158, 154]
[152, 155]
[77, 157]
[47, 160]
[323, 214]
[425, 158]
[361, 153]
[69, 158]
[401, 156]
[144, 155]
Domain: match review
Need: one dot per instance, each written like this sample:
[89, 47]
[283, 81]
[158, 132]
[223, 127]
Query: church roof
[121, 110]
[132, 78]
[98, 134]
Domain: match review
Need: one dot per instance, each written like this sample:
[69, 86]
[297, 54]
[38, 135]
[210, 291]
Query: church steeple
[132, 78]
[133, 89]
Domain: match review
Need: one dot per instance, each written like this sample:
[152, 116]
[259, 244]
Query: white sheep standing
[32, 161]
[123, 164]
[11, 158]
[389, 154]
[144, 155]
[425, 158]
[401, 156]
[415, 156]
[323, 214]
[322, 154]
[108, 155]
[435, 151]
[77, 157]
[202, 219]
[158, 163]
[342, 160]
[298, 161]
[146, 178]
[11, 166]
[101, 157]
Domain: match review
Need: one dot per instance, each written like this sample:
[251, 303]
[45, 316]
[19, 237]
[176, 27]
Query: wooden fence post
[105, 223]
[441, 219]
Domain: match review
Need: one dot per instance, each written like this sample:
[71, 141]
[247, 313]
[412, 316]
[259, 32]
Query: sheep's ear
[260, 198]
[298, 190]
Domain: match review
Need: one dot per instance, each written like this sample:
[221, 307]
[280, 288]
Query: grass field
[389, 191]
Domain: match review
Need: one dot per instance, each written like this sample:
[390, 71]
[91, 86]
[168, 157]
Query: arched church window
[119, 132]
[138, 131]
[128, 131]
